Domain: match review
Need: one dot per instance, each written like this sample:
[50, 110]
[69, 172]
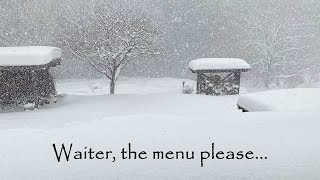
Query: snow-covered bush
[187, 90]
[29, 106]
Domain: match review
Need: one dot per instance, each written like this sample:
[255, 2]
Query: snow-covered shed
[216, 76]
[25, 74]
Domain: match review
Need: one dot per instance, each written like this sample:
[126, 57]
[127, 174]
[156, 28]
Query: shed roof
[218, 64]
[28, 55]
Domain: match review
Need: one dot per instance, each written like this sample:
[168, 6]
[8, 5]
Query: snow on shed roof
[218, 64]
[28, 56]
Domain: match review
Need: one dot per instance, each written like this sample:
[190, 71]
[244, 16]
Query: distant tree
[109, 39]
[278, 40]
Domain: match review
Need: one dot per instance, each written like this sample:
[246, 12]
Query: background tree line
[279, 38]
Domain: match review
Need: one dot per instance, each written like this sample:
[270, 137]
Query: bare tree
[278, 41]
[110, 39]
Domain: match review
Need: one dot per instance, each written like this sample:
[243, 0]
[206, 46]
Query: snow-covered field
[124, 86]
[152, 114]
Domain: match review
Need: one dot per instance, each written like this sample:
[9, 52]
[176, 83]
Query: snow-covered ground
[152, 114]
[142, 86]
[124, 86]
[284, 100]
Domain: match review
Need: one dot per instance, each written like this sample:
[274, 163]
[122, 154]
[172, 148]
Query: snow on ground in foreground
[290, 141]
[161, 121]
[285, 100]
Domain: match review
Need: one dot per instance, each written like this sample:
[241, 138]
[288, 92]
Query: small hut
[218, 76]
[25, 75]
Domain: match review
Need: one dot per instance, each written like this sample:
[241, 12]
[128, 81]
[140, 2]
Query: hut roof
[218, 64]
[29, 55]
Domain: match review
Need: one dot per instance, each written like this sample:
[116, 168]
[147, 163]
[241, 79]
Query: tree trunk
[112, 86]
[113, 79]
[267, 81]
[268, 75]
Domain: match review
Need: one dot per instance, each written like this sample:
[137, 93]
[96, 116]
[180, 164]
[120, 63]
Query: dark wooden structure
[218, 81]
[20, 85]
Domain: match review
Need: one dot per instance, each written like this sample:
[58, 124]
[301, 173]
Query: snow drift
[285, 100]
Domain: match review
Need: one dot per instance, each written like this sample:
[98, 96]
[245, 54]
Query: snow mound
[287, 100]
[28, 56]
[218, 63]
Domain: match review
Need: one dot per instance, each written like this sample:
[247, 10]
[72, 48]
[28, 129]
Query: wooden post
[35, 91]
[237, 76]
[198, 83]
